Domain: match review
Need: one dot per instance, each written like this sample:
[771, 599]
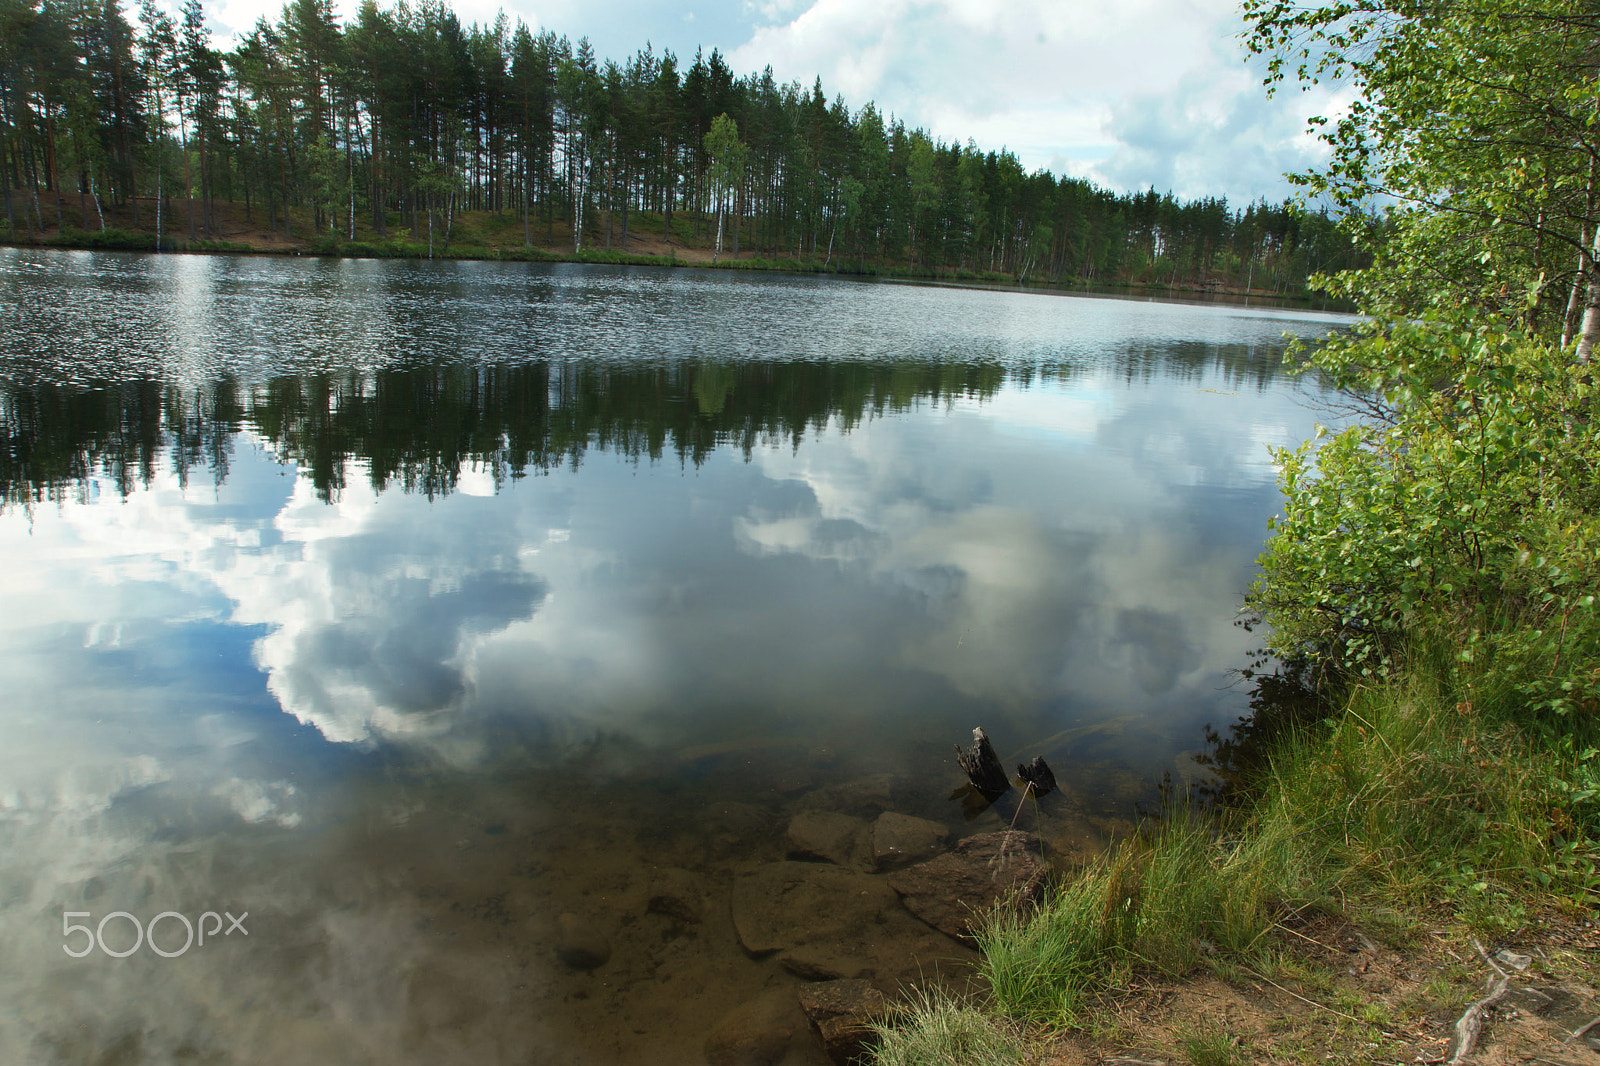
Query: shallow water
[409, 607]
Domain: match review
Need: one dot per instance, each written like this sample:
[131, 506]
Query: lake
[447, 643]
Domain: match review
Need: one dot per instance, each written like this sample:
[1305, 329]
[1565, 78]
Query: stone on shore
[843, 1012]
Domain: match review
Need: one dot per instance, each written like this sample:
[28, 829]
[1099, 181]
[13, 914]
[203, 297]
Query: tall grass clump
[1419, 794]
[1188, 889]
[933, 1028]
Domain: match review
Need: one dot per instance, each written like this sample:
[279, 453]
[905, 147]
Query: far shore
[499, 237]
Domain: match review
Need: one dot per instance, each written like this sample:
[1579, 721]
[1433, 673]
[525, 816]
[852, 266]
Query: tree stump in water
[982, 765]
[1037, 775]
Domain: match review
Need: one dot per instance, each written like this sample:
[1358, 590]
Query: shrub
[1467, 509]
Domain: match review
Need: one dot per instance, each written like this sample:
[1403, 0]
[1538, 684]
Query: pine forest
[404, 132]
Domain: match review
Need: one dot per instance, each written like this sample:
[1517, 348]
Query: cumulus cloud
[1215, 133]
[1145, 93]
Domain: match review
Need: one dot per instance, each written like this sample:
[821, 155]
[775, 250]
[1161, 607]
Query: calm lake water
[436, 615]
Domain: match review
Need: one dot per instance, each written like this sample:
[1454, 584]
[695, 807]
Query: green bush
[112, 239]
[1468, 509]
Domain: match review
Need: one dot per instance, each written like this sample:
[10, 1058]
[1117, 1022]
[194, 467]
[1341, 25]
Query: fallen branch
[1581, 1030]
[1470, 1024]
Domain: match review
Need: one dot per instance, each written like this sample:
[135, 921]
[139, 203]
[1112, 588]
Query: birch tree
[1473, 128]
[724, 168]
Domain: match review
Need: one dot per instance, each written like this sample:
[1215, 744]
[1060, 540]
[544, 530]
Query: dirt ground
[1334, 993]
[234, 226]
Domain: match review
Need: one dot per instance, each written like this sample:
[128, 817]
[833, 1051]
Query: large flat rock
[954, 891]
[783, 905]
[828, 836]
[900, 839]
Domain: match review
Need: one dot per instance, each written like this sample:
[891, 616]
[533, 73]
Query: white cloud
[1157, 88]
[1215, 133]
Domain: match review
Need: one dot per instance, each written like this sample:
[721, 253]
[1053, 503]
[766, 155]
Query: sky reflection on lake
[668, 534]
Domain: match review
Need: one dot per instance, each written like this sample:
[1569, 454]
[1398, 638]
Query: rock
[864, 796]
[758, 1033]
[816, 963]
[843, 1012]
[783, 905]
[900, 839]
[677, 894]
[579, 944]
[952, 892]
[744, 821]
[825, 835]
[829, 998]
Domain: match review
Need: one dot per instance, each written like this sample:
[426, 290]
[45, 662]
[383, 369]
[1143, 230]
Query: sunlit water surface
[408, 607]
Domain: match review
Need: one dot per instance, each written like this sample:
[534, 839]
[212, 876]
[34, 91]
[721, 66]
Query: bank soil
[1331, 991]
[479, 230]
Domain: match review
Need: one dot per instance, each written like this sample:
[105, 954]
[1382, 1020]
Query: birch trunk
[1589, 331]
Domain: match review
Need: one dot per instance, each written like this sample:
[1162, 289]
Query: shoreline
[480, 236]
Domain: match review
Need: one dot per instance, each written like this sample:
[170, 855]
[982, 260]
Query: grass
[1214, 1047]
[1426, 794]
[936, 1029]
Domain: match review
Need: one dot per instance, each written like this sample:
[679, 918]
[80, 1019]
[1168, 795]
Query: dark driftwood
[1037, 775]
[982, 765]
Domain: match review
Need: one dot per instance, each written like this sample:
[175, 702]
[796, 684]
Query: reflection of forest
[416, 427]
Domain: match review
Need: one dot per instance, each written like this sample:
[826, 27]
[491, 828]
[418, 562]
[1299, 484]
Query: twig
[1302, 999]
[1302, 936]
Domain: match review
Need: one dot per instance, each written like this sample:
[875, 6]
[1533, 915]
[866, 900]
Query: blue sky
[1130, 95]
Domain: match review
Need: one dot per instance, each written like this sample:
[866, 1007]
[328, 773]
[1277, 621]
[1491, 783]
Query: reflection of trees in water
[416, 427]
[1282, 702]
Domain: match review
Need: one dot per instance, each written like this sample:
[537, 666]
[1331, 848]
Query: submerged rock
[813, 962]
[579, 944]
[952, 892]
[677, 894]
[783, 905]
[864, 796]
[826, 835]
[759, 1033]
[900, 839]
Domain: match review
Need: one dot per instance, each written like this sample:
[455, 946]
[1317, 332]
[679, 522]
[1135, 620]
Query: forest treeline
[391, 126]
